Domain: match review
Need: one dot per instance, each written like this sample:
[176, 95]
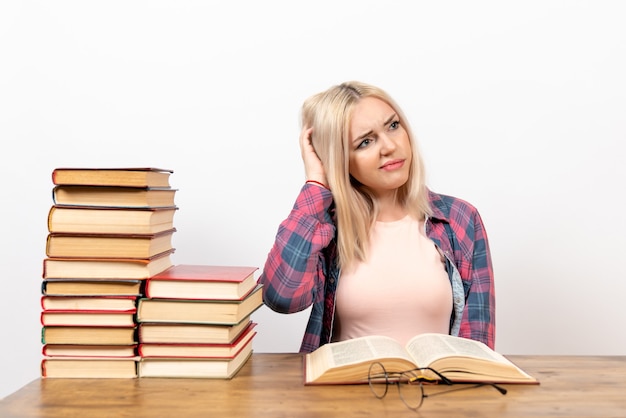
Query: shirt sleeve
[479, 316]
[293, 276]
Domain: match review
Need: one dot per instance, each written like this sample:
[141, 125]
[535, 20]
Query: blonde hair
[329, 113]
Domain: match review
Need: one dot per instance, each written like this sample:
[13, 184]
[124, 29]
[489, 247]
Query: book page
[366, 348]
[427, 348]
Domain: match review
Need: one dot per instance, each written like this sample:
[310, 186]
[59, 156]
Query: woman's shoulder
[449, 207]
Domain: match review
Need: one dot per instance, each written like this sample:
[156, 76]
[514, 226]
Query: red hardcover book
[198, 350]
[198, 367]
[197, 281]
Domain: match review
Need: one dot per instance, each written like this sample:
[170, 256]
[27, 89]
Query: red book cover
[217, 351]
[197, 281]
[205, 273]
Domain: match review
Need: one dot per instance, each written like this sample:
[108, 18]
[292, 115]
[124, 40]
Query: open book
[459, 359]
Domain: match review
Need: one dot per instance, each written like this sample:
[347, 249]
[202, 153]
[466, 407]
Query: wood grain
[270, 385]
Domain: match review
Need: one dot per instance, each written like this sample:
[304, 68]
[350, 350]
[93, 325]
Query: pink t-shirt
[402, 290]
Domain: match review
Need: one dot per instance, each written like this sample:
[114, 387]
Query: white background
[519, 108]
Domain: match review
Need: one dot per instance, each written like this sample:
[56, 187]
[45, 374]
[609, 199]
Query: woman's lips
[392, 165]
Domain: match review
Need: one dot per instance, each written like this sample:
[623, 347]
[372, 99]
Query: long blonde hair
[329, 113]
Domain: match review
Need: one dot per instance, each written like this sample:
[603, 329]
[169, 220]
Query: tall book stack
[195, 321]
[109, 230]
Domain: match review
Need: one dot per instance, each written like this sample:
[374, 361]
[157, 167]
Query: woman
[367, 245]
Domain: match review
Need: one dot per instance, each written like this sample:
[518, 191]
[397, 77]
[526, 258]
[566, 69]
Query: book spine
[146, 288]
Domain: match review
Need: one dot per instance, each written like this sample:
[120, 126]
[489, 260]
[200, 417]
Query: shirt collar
[440, 210]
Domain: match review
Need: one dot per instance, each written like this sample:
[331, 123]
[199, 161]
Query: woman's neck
[389, 209]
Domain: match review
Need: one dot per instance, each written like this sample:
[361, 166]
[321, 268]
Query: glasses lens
[377, 379]
[411, 390]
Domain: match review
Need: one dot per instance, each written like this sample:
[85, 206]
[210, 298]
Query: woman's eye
[394, 125]
[364, 143]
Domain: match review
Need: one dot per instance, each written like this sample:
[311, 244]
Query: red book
[198, 350]
[189, 281]
[194, 367]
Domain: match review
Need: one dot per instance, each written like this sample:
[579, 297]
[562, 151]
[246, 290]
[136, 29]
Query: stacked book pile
[109, 230]
[195, 321]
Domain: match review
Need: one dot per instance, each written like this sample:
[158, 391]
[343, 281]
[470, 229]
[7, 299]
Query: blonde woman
[367, 244]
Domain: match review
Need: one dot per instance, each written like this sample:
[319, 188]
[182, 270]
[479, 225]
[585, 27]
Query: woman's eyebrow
[360, 137]
[390, 119]
[368, 133]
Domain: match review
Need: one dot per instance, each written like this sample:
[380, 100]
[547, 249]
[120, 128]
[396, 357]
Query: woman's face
[379, 148]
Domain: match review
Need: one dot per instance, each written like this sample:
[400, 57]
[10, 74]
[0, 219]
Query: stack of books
[195, 321]
[109, 230]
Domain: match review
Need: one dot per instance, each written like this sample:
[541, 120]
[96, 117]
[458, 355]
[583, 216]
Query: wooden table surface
[271, 385]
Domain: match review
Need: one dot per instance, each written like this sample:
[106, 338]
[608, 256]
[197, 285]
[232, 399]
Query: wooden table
[271, 385]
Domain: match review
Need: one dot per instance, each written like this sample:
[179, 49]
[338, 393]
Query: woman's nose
[387, 144]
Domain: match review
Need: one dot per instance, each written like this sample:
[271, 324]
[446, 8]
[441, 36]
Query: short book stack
[194, 321]
[109, 230]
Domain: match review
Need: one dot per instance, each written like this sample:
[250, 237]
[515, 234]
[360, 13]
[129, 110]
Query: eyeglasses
[410, 384]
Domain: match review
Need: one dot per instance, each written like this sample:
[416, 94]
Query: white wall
[519, 106]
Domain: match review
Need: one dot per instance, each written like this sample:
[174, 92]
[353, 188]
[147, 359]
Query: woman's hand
[313, 167]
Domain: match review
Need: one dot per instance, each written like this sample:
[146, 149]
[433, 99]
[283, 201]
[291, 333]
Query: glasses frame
[414, 377]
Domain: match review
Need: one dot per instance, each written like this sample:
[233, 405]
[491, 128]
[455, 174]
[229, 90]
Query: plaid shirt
[301, 269]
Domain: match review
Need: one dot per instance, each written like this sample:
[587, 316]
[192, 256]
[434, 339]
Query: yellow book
[108, 245]
[130, 177]
[110, 220]
[106, 268]
[216, 311]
